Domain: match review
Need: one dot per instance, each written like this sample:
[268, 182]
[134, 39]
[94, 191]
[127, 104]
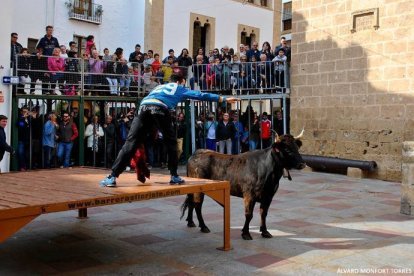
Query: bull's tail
[186, 204]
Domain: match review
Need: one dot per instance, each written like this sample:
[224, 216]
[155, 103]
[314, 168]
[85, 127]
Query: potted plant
[99, 10]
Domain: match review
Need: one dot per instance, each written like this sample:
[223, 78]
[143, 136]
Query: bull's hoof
[266, 235]
[191, 224]
[204, 229]
[247, 236]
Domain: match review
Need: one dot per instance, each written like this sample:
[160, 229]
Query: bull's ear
[298, 143]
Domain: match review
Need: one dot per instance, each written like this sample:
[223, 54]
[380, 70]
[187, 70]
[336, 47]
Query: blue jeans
[64, 150]
[211, 144]
[21, 151]
[47, 153]
[252, 145]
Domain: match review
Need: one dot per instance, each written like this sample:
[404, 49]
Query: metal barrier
[249, 117]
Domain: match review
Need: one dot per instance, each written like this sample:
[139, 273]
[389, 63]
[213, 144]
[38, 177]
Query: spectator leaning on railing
[56, 66]
[137, 56]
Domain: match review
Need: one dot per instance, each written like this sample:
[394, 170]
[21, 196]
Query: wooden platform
[26, 195]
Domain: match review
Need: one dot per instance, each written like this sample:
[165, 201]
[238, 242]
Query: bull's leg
[198, 205]
[248, 212]
[190, 222]
[264, 208]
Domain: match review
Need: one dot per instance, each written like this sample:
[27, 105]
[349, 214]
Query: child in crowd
[147, 75]
[89, 44]
[156, 64]
[106, 56]
[280, 63]
[125, 80]
[235, 71]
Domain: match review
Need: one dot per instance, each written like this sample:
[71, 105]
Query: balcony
[85, 10]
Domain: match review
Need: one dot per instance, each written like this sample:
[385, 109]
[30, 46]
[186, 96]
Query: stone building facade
[353, 79]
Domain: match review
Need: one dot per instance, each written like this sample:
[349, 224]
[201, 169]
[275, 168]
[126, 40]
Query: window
[287, 25]
[263, 3]
[287, 16]
[81, 42]
[31, 44]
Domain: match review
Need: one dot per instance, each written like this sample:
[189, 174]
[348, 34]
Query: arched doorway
[201, 36]
[247, 39]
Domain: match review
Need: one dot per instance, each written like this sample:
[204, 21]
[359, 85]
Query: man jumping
[154, 111]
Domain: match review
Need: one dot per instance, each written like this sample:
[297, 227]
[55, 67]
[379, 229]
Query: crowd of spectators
[58, 68]
[52, 139]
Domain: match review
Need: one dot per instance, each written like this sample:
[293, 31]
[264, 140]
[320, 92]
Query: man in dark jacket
[15, 48]
[48, 43]
[67, 133]
[3, 144]
[224, 133]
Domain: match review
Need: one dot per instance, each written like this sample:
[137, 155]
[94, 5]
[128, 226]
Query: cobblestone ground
[323, 224]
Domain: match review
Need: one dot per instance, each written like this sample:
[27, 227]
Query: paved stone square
[323, 224]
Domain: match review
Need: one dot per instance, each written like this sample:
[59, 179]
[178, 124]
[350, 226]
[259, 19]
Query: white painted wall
[122, 25]
[122, 22]
[228, 15]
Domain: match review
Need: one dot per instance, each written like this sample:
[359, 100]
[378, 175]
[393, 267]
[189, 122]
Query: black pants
[147, 118]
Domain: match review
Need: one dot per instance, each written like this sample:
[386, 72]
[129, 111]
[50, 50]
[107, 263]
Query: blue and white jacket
[170, 94]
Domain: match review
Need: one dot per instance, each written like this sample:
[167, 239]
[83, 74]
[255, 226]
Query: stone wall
[352, 79]
[407, 183]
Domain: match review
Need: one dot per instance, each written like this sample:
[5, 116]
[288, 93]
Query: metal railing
[49, 75]
[241, 78]
[97, 77]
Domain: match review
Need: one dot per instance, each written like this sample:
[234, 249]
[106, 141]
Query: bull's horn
[300, 134]
[276, 135]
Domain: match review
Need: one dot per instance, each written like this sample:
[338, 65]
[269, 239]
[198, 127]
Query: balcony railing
[85, 11]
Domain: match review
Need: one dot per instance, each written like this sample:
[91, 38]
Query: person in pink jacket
[56, 65]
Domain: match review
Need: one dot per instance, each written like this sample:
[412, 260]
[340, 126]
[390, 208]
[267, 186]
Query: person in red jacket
[266, 135]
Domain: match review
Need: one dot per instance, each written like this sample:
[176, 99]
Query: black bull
[254, 176]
